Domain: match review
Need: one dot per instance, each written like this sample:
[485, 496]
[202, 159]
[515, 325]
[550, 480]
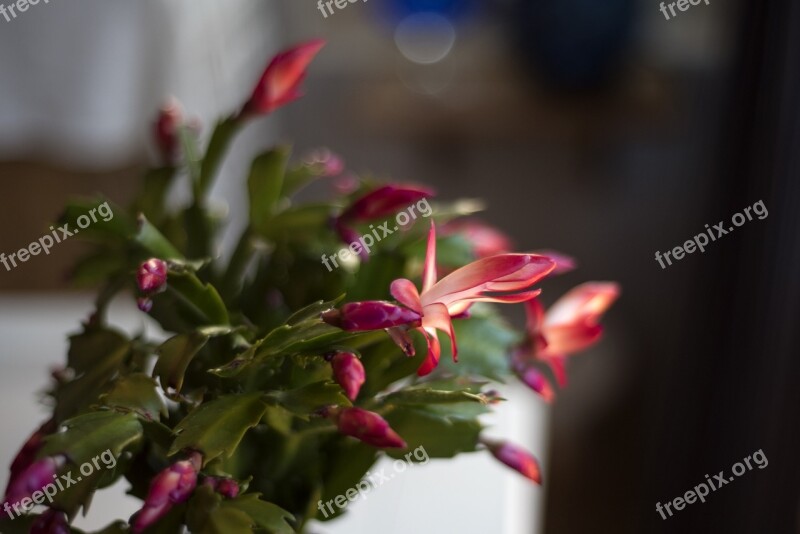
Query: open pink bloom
[505, 278]
[517, 459]
[570, 325]
[171, 486]
[280, 83]
[368, 427]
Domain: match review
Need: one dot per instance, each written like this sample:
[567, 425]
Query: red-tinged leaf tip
[280, 83]
[151, 277]
[171, 486]
[517, 459]
[348, 371]
[368, 427]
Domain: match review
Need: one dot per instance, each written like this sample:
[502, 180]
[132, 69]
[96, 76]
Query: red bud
[152, 276]
[516, 458]
[349, 373]
[368, 427]
[34, 477]
[171, 486]
[370, 315]
[169, 120]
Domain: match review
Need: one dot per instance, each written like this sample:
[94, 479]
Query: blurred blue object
[454, 9]
[574, 44]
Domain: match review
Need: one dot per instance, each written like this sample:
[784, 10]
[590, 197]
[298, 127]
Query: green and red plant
[280, 382]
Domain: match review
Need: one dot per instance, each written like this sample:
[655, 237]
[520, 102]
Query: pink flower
[51, 522]
[370, 315]
[171, 486]
[517, 459]
[349, 373]
[569, 326]
[564, 263]
[152, 276]
[368, 427]
[281, 81]
[504, 278]
[34, 477]
[170, 117]
[486, 240]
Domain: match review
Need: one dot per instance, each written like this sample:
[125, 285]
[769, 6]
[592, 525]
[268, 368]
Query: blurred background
[600, 129]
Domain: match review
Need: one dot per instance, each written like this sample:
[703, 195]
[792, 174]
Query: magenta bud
[228, 488]
[536, 380]
[383, 202]
[171, 486]
[349, 373]
[370, 315]
[368, 427]
[34, 477]
[170, 117]
[27, 454]
[516, 458]
[152, 276]
[51, 522]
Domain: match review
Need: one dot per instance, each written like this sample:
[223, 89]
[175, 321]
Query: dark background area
[607, 132]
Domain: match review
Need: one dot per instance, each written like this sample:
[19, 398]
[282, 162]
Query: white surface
[472, 494]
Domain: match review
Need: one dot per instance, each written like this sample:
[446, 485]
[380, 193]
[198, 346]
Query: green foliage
[239, 372]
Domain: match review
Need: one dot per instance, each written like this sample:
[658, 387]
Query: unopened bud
[349, 373]
[171, 486]
[152, 276]
[516, 458]
[370, 315]
[368, 427]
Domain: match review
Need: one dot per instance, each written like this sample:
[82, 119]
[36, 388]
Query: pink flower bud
[516, 458]
[169, 120]
[536, 380]
[349, 373]
[34, 477]
[51, 522]
[171, 486]
[385, 201]
[280, 83]
[144, 304]
[27, 454]
[152, 276]
[368, 427]
[326, 162]
[227, 487]
[370, 315]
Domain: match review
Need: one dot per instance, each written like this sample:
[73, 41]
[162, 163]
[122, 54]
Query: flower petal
[429, 272]
[569, 339]
[437, 316]
[434, 352]
[406, 293]
[586, 302]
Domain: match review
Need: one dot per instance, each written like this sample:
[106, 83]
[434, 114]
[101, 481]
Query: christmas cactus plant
[280, 375]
